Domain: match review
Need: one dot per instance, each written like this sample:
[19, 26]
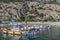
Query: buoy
[1, 30]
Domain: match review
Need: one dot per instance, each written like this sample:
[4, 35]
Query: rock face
[34, 11]
[9, 9]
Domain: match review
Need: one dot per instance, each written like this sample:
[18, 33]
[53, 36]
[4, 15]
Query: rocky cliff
[33, 11]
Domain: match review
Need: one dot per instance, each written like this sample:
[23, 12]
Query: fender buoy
[1, 30]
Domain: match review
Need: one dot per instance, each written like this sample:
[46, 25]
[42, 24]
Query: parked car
[33, 33]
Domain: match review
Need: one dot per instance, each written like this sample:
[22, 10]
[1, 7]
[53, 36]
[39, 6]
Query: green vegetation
[10, 0]
[40, 8]
[41, 15]
[50, 19]
[20, 20]
[15, 0]
[53, 1]
[34, 12]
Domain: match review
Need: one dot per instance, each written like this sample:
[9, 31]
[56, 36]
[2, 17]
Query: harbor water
[49, 34]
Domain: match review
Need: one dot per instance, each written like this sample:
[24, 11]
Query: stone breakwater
[47, 23]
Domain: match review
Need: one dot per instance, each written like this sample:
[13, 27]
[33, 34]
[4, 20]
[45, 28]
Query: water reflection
[53, 33]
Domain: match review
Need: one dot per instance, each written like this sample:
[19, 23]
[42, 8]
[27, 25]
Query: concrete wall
[49, 23]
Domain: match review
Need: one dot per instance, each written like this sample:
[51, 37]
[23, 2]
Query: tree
[41, 15]
[53, 1]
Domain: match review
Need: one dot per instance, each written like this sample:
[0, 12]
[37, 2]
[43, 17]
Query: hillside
[31, 11]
